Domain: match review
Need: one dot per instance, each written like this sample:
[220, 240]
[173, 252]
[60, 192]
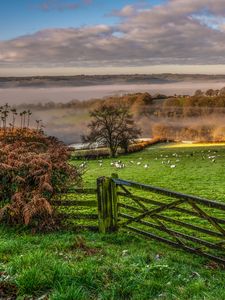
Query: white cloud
[126, 11]
[166, 34]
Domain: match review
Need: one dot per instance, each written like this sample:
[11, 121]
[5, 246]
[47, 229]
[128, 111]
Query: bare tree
[129, 136]
[112, 126]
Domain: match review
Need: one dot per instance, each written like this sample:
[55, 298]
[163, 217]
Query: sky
[69, 37]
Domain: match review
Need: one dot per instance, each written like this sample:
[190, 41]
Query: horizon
[71, 74]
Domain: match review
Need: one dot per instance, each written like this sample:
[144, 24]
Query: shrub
[32, 170]
[99, 153]
[142, 144]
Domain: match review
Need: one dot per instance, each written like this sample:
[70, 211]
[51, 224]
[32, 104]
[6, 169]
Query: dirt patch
[80, 244]
[215, 266]
[8, 291]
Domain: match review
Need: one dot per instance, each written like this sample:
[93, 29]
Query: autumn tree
[112, 126]
[199, 93]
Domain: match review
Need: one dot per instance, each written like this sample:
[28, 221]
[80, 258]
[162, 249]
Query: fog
[69, 123]
[66, 94]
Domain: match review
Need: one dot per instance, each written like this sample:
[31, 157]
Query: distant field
[199, 168]
[121, 266]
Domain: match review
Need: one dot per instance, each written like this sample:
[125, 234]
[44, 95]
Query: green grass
[115, 266]
[68, 265]
[195, 173]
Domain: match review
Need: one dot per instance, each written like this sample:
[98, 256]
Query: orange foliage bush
[32, 170]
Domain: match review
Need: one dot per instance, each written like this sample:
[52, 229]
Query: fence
[77, 208]
[182, 221]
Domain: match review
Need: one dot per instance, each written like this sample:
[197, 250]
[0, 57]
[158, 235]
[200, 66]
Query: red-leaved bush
[32, 170]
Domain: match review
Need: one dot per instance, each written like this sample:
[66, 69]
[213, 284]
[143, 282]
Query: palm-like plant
[14, 114]
[38, 124]
[21, 120]
[24, 118]
[29, 113]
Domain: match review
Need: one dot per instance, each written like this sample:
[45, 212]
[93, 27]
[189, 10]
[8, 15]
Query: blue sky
[119, 36]
[22, 17]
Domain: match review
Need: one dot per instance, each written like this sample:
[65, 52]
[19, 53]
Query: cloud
[177, 32]
[50, 5]
[130, 10]
[126, 11]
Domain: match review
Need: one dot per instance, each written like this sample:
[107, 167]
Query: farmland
[85, 265]
[199, 168]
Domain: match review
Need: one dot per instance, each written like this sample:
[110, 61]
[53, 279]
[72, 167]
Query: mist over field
[174, 117]
[63, 103]
[63, 94]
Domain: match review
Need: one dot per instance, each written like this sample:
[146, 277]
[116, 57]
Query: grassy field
[85, 265]
[199, 169]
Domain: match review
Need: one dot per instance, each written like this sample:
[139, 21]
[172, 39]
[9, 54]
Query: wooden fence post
[107, 204]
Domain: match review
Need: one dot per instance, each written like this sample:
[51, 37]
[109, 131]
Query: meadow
[196, 169]
[87, 265]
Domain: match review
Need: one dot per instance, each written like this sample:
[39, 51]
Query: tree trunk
[126, 149]
[112, 152]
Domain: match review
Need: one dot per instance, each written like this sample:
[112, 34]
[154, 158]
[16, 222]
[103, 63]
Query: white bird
[173, 166]
[138, 163]
[100, 165]
[145, 166]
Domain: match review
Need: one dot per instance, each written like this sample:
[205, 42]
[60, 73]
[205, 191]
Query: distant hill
[89, 80]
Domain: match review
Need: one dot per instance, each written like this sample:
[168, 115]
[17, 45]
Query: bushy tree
[112, 126]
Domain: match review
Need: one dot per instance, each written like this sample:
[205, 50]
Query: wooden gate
[183, 221]
[77, 208]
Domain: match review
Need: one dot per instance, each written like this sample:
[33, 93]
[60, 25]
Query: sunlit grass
[193, 145]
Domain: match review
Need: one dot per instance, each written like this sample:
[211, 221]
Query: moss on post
[114, 202]
[107, 204]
